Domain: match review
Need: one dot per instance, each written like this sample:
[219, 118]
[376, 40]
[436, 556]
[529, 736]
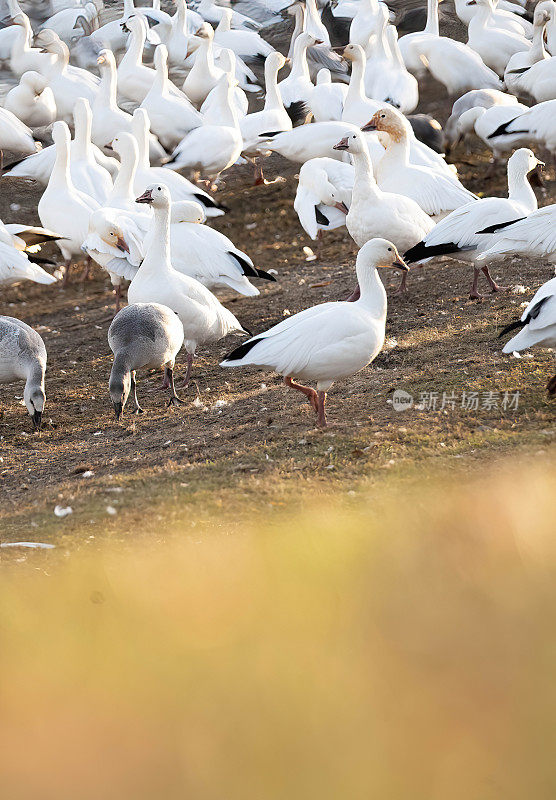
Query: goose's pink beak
[146, 197]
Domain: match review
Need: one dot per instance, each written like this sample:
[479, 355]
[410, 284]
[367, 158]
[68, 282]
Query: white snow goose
[468, 231]
[328, 342]
[374, 213]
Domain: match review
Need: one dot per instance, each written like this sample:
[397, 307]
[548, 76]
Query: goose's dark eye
[389, 249]
[160, 188]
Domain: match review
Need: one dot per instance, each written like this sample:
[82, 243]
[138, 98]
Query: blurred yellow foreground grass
[405, 649]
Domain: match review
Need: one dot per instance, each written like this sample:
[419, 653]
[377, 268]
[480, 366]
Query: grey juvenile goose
[146, 335]
[23, 357]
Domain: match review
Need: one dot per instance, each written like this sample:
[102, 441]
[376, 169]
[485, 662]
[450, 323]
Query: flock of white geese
[129, 124]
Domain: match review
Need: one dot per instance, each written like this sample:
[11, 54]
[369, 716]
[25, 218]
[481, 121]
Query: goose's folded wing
[535, 234]
[462, 226]
[289, 346]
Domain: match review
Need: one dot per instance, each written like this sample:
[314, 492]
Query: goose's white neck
[160, 83]
[365, 187]
[204, 59]
[432, 25]
[129, 8]
[225, 24]
[157, 256]
[123, 185]
[396, 153]
[381, 50]
[300, 68]
[142, 139]
[60, 178]
[373, 294]
[273, 99]
[297, 30]
[179, 20]
[537, 51]
[482, 17]
[134, 52]
[82, 140]
[395, 52]
[107, 88]
[519, 188]
[226, 106]
[356, 88]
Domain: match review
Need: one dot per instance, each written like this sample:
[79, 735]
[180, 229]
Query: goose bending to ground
[142, 336]
[476, 97]
[467, 232]
[62, 207]
[209, 256]
[171, 117]
[14, 135]
[32, 101]
[323, 195]
[436, 193]
[495, 45]
[537, 325]
[248, 45]
[23, 358]
[327, 99]
[533, 236]
[316, 140]
[374, 213]
[331, 341]
[204, 318]
[179, 187]
[215, 147]
[108, 118]
[484, 121]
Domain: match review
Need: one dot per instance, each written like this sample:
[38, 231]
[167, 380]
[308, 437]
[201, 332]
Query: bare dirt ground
[243, 440]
